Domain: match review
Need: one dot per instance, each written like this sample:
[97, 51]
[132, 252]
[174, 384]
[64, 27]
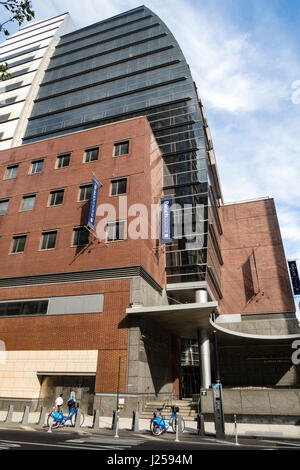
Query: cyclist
[59, 402]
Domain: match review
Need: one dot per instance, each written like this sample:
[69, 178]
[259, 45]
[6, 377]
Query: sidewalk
[243, 429]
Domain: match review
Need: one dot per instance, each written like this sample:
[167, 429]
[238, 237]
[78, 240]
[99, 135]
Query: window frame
[48, 232]
[55, 191]
[63, 155]
[86, 153]
[15, 165]
[116, 181]
[82, 186]
[78, 229]
[4, 200]
[33, 162]
[17, 237]
[27, 196]
[115, 222]
[120, 143]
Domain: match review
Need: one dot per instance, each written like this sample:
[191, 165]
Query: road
[144, 450]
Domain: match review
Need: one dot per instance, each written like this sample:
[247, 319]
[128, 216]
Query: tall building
[27, 54]
[124, 82]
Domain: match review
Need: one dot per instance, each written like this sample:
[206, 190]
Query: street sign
[294, 277]
[166, 220]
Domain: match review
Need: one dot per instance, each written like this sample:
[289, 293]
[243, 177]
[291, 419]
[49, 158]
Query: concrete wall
[259, 406]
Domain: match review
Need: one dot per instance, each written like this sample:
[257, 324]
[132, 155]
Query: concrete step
[187, 408]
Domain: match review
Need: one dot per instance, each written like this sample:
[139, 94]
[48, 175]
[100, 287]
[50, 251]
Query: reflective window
[121, 148]
[36, 166]
[118, 187]
[28, 202]
[56, 197]
[3, 206]
[115, 230]
[18, 243]
[63, 160]
[91, 154]
[80, 236]
[11, 171]
[85, 192]
[48, 240]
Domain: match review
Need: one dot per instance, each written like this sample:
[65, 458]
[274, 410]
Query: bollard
[135, 421]
[41, 420]
[9, 416]
[178, 425]
[235, 430]
[114, 420]
[78, 419]
[200, 425]
[96, 418]
[117, 424]
[25, 415]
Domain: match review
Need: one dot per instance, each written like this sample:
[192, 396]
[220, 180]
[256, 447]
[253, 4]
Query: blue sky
[245, 58]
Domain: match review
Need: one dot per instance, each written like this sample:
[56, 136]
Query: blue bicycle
[158, 425]
[57, 419]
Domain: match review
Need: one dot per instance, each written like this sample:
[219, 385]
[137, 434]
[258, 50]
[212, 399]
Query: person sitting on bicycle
[59, 402]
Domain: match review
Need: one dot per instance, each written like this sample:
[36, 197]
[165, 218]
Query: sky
[244, 56]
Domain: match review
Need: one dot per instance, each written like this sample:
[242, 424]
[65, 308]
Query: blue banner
[93, 204]
[166, 220]
[294, 277]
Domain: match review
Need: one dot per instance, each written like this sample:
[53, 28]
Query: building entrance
[53, 385]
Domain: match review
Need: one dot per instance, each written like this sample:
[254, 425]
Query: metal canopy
[182, 320]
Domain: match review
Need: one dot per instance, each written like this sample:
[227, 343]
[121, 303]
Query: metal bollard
[235, 431]
[96, 419]
[41, 420]
[78, 419]
[25, 415]
[200, 425]
[135, 421]
[117, 425]
[9, 415]
[114, 420]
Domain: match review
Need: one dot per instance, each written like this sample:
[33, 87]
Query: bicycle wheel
[156, 429]
[51, 422]
[73, 419]
[174, 424]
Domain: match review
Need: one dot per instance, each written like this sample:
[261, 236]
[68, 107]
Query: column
[204, 346]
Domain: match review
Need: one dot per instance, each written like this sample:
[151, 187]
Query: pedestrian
[59, 402]
[72, 399]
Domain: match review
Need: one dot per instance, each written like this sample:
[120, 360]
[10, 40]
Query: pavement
[244, 430]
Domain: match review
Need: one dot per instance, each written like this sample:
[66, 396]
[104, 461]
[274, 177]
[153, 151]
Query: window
[115, 230]
[121, 148]
[91, 154]
[38, 307]
[56, 197]
[63, 160]
[85, 192]
[118, 187]
[18, 243]
[48, 240]
[11, 171]
[3, 206]
[80, 236]
[28, 202]
[36, 166]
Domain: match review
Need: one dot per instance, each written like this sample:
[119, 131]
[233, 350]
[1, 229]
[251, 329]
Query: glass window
[85, 192]
[80, 236]
[38, 307]
[36, 166]
[121, 148]
[91, 154]
[48, 240]
[118, 186]
[63, 160]
[115, 230]
[18, 243]
[3, 206]
[56, 197]
[28, 202]
[11, 171]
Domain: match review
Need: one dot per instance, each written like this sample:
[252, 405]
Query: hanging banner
[294, 277]
[166, 220]
[93, 204]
